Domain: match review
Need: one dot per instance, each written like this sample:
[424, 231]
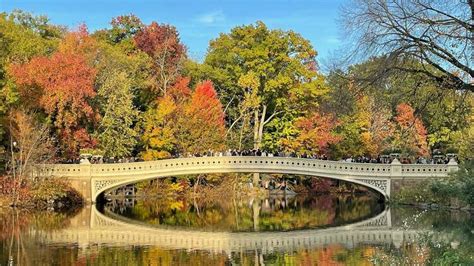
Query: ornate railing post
[452, 165]
[396, 169]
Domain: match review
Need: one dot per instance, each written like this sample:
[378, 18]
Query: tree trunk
[256, 129]
[260, 127]
[256, 180]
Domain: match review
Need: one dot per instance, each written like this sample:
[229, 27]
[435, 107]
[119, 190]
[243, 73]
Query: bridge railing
[247, 162]
[243, 162]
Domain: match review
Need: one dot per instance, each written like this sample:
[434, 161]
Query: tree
[313, 137]
[61, 86]
[22, 36]
[260, 74]
[38, 24]
[438, 34]
[116, 135]
[444, 113]
[410, 133]
[122, 33]
[375, 127]
[184, 122]
[124, 28]
[30, 144]
[162, 44]
[159, 136]
[203, 124]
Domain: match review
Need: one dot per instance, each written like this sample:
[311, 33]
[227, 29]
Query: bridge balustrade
[337, 167]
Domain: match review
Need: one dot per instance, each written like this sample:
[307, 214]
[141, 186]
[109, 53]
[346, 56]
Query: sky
[200, 21]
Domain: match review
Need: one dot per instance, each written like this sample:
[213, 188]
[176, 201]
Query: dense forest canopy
[131, 90]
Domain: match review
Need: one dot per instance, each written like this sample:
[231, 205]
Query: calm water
[317, 230]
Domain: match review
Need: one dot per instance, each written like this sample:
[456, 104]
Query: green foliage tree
[260, 74]
[460, 185]
[116, 135]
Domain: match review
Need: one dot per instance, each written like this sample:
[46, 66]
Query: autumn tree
[159, 136]
[314, 134]
[116, 136]
[124, 28]
[444, 113]
[161, 123]
[376, 126]
[29, 144]
[203, 124]
[184, 122]
[22, 36]
[410, 133]
[61, 86]
[262, 74]
[162, 44]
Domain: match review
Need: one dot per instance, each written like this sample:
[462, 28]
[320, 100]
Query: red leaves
[162, 44]
[205, 104]
[185, 121]
[62, 86]
[65, 79]
[204, 118]
[155, 39]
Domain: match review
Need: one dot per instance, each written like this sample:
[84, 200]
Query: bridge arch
[378, 186]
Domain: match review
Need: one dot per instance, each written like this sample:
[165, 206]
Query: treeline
[131, 90]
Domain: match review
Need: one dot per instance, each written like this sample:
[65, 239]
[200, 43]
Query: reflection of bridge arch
[91, 180]
[105, 230]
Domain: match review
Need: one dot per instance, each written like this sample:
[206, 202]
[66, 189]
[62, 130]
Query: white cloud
[211, 18]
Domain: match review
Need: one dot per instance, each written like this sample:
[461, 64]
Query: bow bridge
[93, 179]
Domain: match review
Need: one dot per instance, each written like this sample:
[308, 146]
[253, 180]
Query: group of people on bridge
[384, 159]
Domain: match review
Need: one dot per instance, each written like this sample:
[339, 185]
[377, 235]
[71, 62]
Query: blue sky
[200, 21]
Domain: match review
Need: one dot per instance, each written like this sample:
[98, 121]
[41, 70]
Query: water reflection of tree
[16, 233]
[449, 242]
[251, 214]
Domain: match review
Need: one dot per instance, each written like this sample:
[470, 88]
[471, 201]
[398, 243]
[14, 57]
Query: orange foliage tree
[60, 85]
[184, 122]
[314, 134]
[410, 133]
[203, 122]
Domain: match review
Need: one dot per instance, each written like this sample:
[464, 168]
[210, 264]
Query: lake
[320, 229]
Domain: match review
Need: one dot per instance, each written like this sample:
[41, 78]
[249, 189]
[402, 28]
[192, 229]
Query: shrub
[54, 190]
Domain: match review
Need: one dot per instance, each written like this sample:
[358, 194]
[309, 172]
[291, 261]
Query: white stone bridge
[93, 179]
[93, 228]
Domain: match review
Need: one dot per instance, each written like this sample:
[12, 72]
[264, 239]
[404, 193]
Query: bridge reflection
[92, 227]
